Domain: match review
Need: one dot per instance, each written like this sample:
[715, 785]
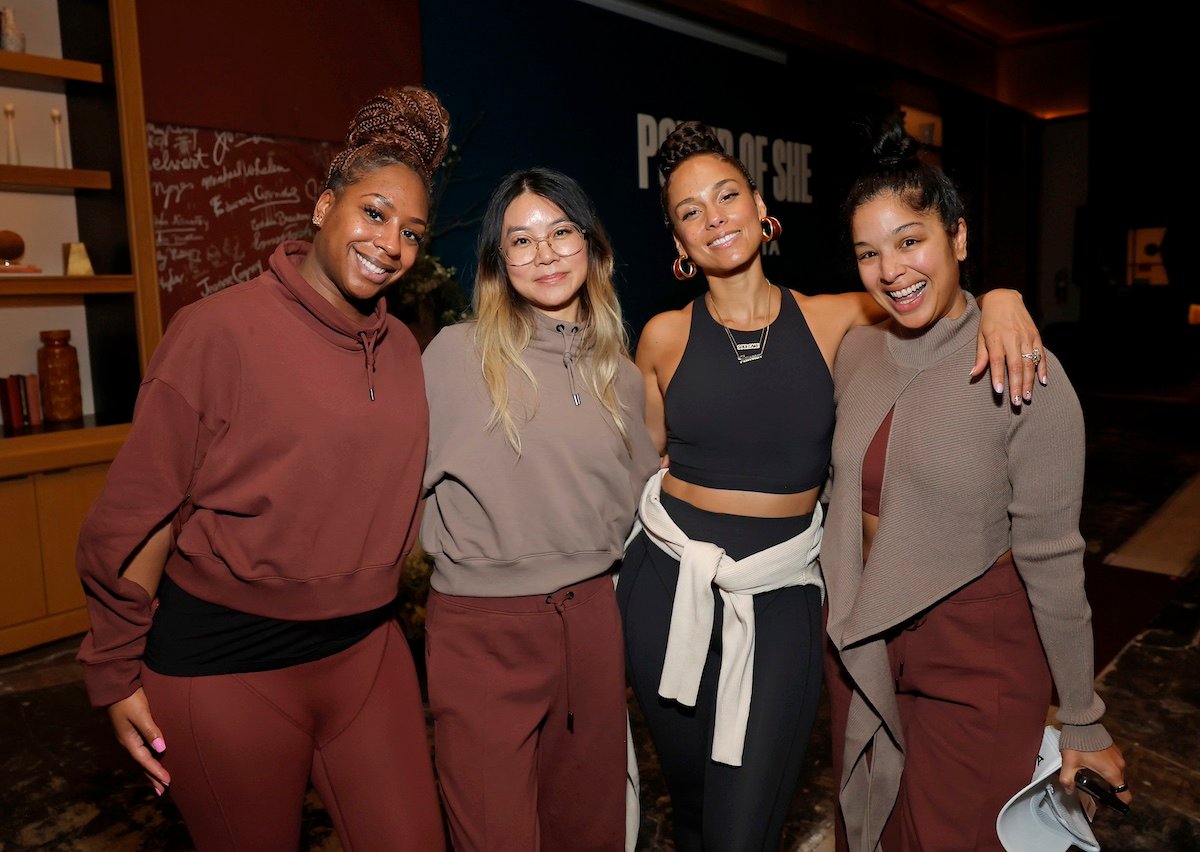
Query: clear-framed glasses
[565, 239]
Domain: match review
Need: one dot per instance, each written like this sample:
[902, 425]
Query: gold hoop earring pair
[771, 228]
[684, 268]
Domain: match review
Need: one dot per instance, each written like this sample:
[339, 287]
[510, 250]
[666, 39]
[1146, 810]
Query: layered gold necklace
[746, 352]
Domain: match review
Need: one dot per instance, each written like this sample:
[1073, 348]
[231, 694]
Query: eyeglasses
[520, 248]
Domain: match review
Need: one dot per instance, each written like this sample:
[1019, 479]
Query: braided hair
[688, 139]
[408, 126]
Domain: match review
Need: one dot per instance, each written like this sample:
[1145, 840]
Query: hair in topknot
[688, 139]
[894, 166]
[408, 126]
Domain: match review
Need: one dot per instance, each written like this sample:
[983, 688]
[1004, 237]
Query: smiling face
[908, 262]
[369, 236]
[550, 283]
[715, 214]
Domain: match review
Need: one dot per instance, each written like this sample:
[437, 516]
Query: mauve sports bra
[764, 425]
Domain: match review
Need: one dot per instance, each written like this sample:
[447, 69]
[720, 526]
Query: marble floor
[66, 785]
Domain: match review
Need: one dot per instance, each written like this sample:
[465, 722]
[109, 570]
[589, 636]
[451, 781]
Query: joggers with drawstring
[528, 702]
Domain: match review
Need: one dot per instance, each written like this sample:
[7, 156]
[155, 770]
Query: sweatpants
[973, 688]
[717, 807]
[242, 749]
[528, 702]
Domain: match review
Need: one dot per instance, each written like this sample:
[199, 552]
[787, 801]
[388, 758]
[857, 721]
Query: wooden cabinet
[21, 598]
[41, 598]
[50, 475]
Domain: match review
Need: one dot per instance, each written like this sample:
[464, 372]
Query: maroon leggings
[242, 748]
[504, 673]
[973, 689]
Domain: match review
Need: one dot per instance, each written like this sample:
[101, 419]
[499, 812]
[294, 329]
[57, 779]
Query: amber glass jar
[58, 377]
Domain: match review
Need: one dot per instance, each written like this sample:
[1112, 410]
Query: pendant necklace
[746, 352]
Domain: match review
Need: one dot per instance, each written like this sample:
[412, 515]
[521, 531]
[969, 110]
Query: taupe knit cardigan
[967, 477]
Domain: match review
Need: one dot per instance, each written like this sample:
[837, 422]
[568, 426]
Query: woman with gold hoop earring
[720, 590]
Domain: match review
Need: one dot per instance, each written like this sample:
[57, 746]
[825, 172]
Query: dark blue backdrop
[571, 86]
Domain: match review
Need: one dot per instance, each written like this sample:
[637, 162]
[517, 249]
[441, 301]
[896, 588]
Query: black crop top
[765, 425]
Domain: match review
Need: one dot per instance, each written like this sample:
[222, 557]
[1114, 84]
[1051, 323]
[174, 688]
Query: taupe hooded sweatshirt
[501, 525]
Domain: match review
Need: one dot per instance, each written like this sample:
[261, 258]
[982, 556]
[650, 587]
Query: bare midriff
[750, 504]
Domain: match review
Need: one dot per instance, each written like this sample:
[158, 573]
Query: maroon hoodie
[297, 491]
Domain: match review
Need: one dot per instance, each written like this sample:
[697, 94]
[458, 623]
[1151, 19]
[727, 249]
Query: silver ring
[1035, 356]
[1120, 788]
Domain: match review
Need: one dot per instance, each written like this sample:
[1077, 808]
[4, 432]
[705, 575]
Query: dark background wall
[528, 90]
[563, 84]
[296, 68]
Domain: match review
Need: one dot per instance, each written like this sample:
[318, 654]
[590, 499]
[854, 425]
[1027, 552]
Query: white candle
[14, 156]
[60, 161]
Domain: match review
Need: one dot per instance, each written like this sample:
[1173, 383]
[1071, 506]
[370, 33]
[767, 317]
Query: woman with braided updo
[241, 562]
[721, 591]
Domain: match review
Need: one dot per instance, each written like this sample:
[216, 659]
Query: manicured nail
[1029, 396]
[1016, 400]
[158, 745]
[998, 387]
[158, 791]
[1044, 381]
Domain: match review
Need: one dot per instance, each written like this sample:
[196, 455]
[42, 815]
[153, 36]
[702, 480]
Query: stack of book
[20, 402]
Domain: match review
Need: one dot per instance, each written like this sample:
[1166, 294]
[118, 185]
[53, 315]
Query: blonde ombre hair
[504, 321]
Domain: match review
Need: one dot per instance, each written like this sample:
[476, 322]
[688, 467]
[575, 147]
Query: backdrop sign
[222, 202]
[599, 112]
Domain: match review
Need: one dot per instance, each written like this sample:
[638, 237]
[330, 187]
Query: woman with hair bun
[952, 556]
[242, 559]
[721, 591]
[537, 455]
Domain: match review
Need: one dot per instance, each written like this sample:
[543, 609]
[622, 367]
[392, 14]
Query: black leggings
[721, 808]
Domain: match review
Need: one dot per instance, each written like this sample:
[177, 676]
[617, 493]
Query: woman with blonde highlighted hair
[538, 452]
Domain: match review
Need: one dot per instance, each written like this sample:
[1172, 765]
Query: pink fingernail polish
[158, 745]
[999, 388]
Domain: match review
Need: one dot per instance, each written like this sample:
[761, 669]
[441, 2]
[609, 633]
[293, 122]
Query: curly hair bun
[688, 138]
[409, 123]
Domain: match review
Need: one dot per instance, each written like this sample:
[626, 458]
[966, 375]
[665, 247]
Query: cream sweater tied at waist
[789, 563]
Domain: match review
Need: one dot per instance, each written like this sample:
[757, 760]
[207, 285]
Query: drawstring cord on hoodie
[368, 340]
[558, 607]
[569, 356]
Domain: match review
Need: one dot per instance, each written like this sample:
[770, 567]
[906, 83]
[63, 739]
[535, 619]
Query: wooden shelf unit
[50, 475]
[50, 66]
[26, 178]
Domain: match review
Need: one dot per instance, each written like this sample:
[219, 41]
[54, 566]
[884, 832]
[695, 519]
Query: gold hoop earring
[684, 268]
[771, 228]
